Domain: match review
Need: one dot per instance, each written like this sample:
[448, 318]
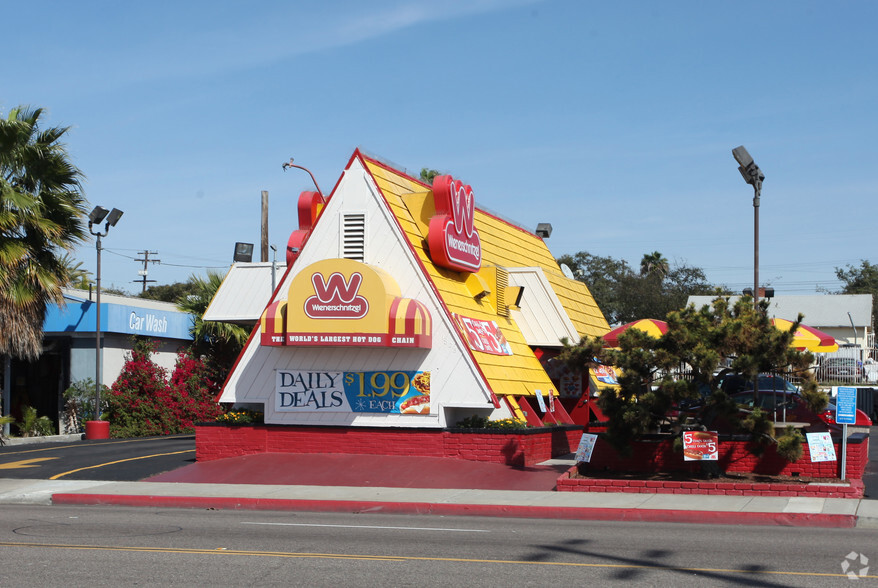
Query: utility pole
[264, 249]
[144, 272]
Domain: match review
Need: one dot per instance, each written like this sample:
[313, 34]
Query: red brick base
[658, 455]
[520, 448]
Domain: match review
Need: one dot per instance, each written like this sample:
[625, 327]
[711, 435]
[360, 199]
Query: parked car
[862, 419]
[732, 383]
[787, 407]
[842, 368]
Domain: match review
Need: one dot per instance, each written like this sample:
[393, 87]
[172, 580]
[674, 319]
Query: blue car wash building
[69, 346]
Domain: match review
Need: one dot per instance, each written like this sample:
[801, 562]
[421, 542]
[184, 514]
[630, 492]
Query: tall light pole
[97, 216]
[753, 176]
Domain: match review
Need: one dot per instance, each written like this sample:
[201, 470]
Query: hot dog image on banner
[342, 302]
[390, 392]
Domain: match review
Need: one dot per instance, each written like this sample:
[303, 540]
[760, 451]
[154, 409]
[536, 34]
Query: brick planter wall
[520, 448]
[658, 455]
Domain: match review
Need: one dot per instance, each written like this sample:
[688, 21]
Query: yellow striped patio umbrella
[652, 327]
[807, 338]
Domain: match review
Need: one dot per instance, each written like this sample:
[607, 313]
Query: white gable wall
[455, 381]
[542, 319]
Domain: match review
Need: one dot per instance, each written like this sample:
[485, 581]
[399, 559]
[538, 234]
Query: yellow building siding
[503, 245]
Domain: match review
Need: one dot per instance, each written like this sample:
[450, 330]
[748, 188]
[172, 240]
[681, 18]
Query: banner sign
[484, 336]
[700, 446]
[397, 392]
[820, 447]
[605, 374]
[586, 447]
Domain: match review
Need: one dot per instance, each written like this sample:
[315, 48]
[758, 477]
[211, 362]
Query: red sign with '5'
[700, 446]
[453, 238]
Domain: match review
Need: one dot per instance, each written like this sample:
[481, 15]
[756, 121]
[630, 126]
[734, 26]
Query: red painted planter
[97, 429]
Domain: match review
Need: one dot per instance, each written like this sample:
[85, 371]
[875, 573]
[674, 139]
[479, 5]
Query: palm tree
[218, 342]
[41, 219]
[652, 263]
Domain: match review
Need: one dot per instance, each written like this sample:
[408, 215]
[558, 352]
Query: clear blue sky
[614, 121]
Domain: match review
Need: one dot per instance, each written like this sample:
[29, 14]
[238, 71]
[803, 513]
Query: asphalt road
[115, 460]
[87, 546]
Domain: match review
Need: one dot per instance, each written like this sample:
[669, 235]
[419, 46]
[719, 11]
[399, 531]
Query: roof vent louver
[353, 230]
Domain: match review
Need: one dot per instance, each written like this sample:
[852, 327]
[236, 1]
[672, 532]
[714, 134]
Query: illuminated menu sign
[453, 239]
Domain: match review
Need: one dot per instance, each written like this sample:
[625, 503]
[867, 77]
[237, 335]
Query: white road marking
[368, 527]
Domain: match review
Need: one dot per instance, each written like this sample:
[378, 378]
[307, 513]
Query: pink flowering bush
[144, 401]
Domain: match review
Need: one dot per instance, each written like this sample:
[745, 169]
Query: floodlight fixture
[748, 168]
[753, 176]
[97, 214]
[114, 217]
[243, 252]
[544, 230]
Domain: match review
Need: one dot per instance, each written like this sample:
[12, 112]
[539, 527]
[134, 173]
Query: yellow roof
[503, 246]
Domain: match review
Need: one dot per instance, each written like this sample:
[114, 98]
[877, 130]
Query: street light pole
[753, 176]
[99, 430]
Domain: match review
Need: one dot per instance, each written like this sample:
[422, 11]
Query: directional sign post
[845, 414]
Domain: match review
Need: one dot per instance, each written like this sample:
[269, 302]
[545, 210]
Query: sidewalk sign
[586, 447]
[541, 401]
[845, 414]
[700, 446]
[820, 447]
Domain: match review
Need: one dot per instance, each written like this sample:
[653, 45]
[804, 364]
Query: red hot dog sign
[453, 239]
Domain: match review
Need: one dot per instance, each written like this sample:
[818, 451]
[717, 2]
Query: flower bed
[522, 447]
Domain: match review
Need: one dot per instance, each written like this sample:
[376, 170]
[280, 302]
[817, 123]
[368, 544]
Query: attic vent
[353, 231]
[502, 282]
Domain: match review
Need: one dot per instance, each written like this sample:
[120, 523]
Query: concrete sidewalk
[740, 510]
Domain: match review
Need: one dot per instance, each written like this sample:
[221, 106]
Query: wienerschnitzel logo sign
[342, 302]
[453, 239]
[336, 297]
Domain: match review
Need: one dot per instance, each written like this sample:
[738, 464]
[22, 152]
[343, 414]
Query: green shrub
[789, 445]
[33, 426]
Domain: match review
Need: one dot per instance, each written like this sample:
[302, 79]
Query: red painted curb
[485, 510]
